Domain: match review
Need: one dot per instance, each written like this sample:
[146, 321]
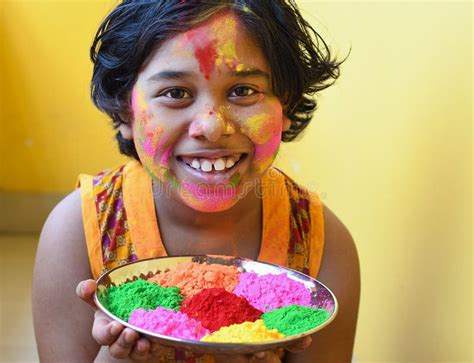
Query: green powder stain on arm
[122, 300]
[294, 319]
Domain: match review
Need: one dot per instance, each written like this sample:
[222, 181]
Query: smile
[210, 165]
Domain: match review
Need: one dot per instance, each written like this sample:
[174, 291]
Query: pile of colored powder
[192, 277]
[216, 308]
[248, 332]
[168, 322]
[268, 292]
[123, 299]
[294, 319]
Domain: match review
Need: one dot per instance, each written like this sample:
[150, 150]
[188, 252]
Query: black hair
[300, 61]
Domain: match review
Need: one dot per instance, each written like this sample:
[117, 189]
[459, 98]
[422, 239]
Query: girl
[201, 93]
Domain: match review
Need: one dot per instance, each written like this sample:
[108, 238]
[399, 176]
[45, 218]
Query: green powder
[122, 300]
[294, 319]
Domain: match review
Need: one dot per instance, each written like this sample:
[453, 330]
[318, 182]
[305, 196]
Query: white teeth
[229, 163]
[219, 164]
[195, 164]
[206, 165]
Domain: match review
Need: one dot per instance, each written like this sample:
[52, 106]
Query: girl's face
[205, 121]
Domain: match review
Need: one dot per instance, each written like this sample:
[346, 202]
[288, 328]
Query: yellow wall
[53, 131]
[389, 150]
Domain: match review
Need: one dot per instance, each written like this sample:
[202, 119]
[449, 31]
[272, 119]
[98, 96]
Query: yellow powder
[243, 333]
[260, 128]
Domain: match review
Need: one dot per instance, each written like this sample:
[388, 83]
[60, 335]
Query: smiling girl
[201, 94]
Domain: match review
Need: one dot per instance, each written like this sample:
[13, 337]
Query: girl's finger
[85, 290]
[104, 331]
[141, 350]
[299, 345]
[122, 347]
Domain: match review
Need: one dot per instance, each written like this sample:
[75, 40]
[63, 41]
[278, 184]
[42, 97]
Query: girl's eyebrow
[167, 75]
[250, 72]
[170, 75]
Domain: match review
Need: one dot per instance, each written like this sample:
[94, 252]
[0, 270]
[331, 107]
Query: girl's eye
[242, 91]
[176, 93]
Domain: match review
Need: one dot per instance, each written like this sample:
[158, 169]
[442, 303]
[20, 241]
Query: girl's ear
[286, 123]
[126, 131]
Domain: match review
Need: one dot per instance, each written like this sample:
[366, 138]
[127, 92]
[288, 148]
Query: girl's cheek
[147, 140]
[148, 136]
[265, 132]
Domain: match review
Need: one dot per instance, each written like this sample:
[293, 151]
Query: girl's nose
[211, 125]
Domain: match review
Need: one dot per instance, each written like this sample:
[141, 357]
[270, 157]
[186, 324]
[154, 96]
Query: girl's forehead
[221, 41]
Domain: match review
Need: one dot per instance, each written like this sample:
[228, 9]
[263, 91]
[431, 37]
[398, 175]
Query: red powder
[216, 308]
[206, 57]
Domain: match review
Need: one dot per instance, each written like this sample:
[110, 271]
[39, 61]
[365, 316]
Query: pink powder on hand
[192, 277]
[168, 322]
[268, 292]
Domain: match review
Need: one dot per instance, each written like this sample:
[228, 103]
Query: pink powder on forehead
[168, 322]
[268, 292]
[192, 277]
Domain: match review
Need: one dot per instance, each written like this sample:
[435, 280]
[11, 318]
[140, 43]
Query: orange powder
[192, 277]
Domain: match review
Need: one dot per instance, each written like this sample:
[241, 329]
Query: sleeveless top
[121, 225]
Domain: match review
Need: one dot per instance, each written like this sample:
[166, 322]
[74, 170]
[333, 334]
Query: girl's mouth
[220, 165]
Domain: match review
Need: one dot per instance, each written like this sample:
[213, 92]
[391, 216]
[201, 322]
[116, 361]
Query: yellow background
[390, 150]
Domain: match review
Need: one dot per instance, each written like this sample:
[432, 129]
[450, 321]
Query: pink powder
[168, 322]
[268, 292]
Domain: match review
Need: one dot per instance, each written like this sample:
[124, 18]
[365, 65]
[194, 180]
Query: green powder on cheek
[234, 181]
[294, 319]
[171, 179]
[122, 300]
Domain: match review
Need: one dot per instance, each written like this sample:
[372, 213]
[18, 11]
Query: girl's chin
[209, 203]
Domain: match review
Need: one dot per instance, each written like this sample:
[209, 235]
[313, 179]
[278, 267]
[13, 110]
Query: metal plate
[322, 298]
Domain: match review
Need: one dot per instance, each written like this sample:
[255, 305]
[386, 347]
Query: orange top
[121, 226]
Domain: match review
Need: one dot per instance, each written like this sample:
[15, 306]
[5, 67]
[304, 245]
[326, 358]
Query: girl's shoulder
[63, 232]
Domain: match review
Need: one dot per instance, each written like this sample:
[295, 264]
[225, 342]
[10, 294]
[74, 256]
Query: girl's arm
[340, 272]
[65, 328]
[62, 321]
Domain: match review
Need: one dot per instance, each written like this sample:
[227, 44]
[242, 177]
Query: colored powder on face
[268, 292]
[205, 199]
[206, 57]
[168, 322]
[139, 105]
[170, 178]
[123, 299]
[216, 308]
[235, 180]
[192, 277]
[265, 154]
[150, 141]
[166, 156]
[260, 128]
[294, 319]
[248, 332]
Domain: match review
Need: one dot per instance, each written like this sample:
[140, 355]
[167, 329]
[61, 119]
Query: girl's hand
[122, 342]
[271, 356]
